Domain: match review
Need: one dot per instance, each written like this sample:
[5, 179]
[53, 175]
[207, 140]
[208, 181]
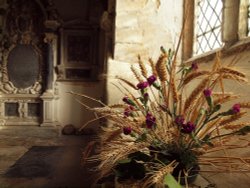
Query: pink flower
[207, 92]
[150, 120]
[188, 127]
[142, 85]
[236, 108]
[151, 79]
[179, 120]
[127, 130]
[194, 66]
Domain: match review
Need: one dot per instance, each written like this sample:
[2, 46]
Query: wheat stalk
[236, 126]
[231, 71]
[220, 99]
[136, 73]
[195, 93]
[152, 65]
[161, 68]
[234, 77]
[142, 67]
[127, 82]
[231, 118]
[158, 176]
[174, 91]
[194, 75]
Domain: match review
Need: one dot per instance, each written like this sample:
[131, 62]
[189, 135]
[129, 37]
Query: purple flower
[151, 79]
[150, 120]
[179, 120]
[188, 127]
[127, 130]
[194, 66]
[128, 111]
[125, 99]
[142, 85]
[207, 92]
[131, 108]
[236, 108]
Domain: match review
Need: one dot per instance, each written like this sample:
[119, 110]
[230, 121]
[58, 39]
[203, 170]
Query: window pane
[208, 26]
[248, 20]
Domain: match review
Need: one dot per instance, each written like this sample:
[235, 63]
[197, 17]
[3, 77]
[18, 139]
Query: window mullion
[243, 19]
[230, 17]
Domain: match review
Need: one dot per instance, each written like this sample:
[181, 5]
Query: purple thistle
[236, 108]
[126, 112]
[150, 120]
[125, 99]
[151, 79]
[188, 127]
[179, 120]
[127, 130]
[207, 92]
[194, 66]
[142, 85]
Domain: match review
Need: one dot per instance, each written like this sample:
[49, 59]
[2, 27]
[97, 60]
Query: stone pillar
[230, 22]
[48, 97]
[48, 109]
[49, 66]
[243, 19]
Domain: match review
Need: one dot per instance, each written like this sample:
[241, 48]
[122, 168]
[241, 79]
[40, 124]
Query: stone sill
[226, 51]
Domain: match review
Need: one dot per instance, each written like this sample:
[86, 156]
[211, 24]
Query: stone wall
[141, 27]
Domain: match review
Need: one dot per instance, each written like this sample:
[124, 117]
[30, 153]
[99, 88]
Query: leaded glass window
[208, 26]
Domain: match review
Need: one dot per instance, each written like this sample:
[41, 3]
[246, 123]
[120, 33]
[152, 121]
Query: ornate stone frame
[7, 87]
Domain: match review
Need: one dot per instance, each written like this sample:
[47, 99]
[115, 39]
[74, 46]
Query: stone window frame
[234, 30]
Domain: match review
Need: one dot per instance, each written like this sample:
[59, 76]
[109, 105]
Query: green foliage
[171, 182]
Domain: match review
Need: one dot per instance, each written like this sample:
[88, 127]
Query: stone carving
[30, 28]
[23, 33]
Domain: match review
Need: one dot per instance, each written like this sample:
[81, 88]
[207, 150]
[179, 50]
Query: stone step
[30, 131]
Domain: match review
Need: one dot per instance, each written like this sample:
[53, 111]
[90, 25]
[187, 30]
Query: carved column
[49, 98]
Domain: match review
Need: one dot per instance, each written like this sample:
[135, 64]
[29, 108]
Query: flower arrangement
[165, 124]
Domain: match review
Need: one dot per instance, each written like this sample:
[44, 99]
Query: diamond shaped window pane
[208, 26]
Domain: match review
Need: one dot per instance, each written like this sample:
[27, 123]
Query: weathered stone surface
[127, 19]
[68, 129]
[129, 35]
[129, 52]
[143, 26]
[130, 5]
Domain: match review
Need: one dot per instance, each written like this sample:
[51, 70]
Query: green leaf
[244, 130]
[157, 86]
[123, 161]
[142, 137]
[170, 181]
[131, 102]
[209, 101]
[217, 108]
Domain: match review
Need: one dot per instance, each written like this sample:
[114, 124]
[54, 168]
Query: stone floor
[67, 172]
